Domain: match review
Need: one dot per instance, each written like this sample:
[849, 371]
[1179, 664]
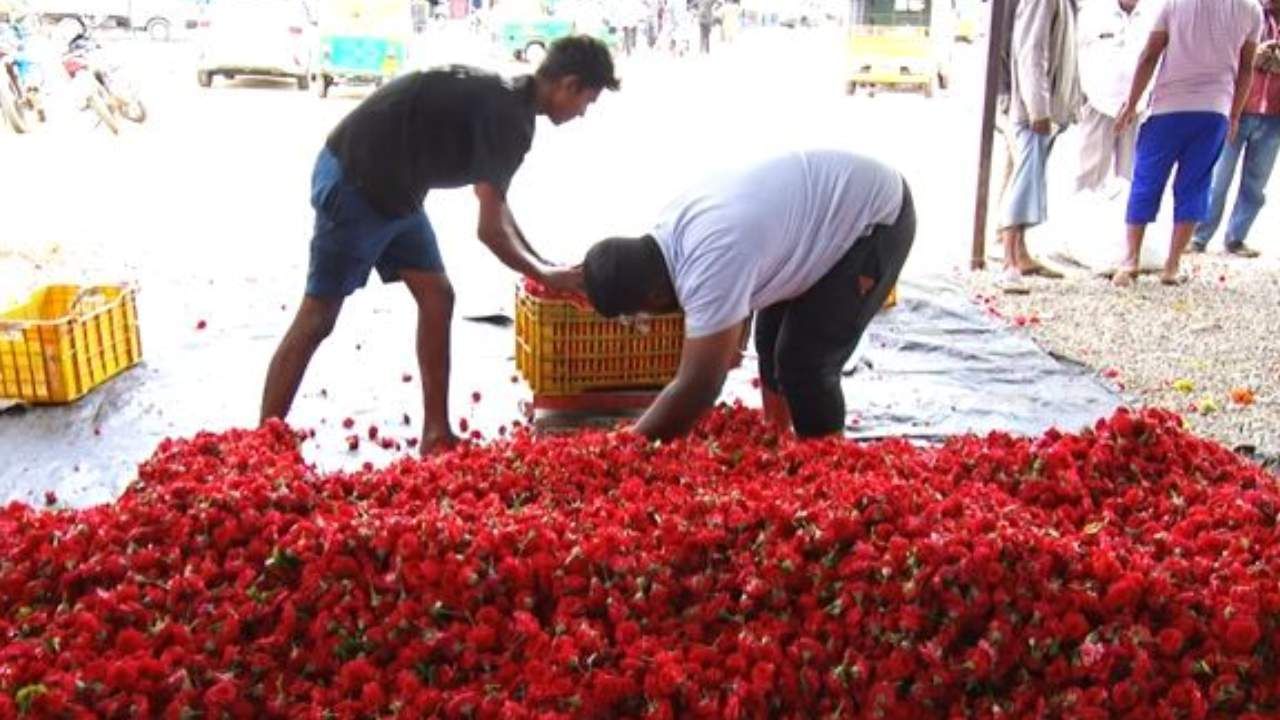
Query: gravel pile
[1209, 349]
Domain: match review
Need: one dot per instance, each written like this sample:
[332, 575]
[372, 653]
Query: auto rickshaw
[968, 21]
[900, 44]
[361, 42]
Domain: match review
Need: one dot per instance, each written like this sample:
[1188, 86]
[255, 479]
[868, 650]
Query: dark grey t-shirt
[442, 128]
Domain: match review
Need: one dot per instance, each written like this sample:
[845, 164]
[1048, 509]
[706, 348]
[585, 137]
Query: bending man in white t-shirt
[811, 241]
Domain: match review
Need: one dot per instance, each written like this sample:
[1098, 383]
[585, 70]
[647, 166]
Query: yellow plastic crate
[563, 349]
[66, 340]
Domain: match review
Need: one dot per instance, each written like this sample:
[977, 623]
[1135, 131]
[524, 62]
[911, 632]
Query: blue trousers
[1258, 141]
[1190, 140]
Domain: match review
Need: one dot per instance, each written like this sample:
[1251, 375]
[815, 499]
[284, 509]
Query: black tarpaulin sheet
[936, 365]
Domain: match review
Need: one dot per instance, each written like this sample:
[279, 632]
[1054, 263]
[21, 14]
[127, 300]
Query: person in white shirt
[1111, 35]
[812, 242]
[1043, 99]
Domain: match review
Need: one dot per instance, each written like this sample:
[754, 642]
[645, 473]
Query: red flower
[222, 694]
[1074, 626]
[1124, 593]
[1243, 634]
[1170, 642]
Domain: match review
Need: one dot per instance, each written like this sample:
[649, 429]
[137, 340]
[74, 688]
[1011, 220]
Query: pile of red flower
[533, 288]
[1128, 571]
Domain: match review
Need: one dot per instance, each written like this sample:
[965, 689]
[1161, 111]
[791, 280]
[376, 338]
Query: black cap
[620, 274]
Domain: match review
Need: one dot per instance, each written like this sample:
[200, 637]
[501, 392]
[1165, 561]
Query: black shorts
[803, 343]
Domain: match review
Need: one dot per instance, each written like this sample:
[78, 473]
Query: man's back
[1205, 37]
[442, 128]
[748, 239]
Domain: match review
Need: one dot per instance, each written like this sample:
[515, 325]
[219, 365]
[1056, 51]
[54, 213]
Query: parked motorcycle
[21, 81]
[106, 89]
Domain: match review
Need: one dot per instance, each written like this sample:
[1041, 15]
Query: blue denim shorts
[351, 237]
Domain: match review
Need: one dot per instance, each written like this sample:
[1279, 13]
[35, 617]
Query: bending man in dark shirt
[444, 128]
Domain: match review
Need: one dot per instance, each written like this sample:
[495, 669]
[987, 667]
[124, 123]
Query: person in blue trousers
[1257, 142]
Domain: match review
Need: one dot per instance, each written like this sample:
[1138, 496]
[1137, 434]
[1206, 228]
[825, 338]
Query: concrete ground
[205, 207]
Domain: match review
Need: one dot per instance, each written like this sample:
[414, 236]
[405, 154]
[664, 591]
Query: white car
[260, 38]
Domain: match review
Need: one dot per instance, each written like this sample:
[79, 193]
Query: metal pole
[995, 41]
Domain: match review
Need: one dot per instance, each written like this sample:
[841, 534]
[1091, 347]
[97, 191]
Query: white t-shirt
[1199, 69]
[749, 239]
[1110, 41]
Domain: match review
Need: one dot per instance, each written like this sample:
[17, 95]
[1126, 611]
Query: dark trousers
[704, 39]
[803, 343]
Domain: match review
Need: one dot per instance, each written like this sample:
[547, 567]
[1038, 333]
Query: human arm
[704, 364]
[500, 233]
[1030, 43]
[1244, 79]
[1157, 41]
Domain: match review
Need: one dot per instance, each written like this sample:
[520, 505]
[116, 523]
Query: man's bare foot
[433, 442]
[1124, 277]
[1173, 278]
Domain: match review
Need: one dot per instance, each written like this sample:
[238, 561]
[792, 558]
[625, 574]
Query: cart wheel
[304, 82]
[850, 88]
[158, 29]
[534, 52]
[204, 77]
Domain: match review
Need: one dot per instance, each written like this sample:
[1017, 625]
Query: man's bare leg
[434, 297]
[311, 325]
[1177, 245]
[1013, 238]
[1128, 270]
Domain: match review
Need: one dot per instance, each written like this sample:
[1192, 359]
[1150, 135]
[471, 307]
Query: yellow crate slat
[66, 340]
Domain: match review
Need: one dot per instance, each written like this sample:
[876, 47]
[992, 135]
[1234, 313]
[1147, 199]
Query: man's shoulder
[465, 75]
[485, 88]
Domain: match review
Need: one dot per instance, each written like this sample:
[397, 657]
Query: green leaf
[27, 695]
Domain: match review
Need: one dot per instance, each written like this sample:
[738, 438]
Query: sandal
[1038, 269]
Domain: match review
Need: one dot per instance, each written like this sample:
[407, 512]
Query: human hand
[1125, 118]
[1043, 126]
[565, 279]
[1233, 129]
